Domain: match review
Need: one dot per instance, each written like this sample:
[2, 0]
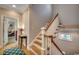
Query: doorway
[9, 32]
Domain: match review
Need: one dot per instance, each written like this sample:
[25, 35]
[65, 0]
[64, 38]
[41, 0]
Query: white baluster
[43, 38]
[50, 45]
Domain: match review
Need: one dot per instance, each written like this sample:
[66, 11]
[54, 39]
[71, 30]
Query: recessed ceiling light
[14, 6]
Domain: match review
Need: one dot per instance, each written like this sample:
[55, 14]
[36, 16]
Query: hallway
[48, 29]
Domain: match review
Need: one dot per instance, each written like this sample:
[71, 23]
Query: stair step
[39, 42]
[27, 51]
[37, 48]
[39, 37]
[33, 52]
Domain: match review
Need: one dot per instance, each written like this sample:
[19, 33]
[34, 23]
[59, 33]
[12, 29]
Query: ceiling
[69, 14]
[19, 7]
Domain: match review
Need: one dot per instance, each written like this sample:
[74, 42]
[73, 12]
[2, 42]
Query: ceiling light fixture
[14, 6]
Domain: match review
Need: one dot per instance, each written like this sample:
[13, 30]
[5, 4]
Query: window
[65, 36]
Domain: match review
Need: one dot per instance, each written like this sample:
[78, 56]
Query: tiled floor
[13, 51]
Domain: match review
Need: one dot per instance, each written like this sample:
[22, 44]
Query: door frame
[17, 27]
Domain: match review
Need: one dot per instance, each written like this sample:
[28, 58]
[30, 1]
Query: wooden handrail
[51, 21]
[56, 45]
[52, 36]
[48, 25]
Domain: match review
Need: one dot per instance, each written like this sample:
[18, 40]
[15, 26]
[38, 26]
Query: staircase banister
[49, 24]
[56, 45]
[43, 38]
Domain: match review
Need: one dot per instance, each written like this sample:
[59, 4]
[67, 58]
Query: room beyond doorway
[9, 32]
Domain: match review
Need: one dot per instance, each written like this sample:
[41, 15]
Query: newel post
[43, 38]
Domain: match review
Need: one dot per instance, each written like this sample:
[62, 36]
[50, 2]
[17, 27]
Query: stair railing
[51, 37]
[43, 38]
[46, 43]
[51, 21]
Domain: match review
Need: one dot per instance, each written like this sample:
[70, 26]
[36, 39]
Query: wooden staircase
[36, 47]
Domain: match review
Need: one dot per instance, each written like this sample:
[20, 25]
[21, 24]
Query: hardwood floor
[11, 45]
[27, 51]
[1, 51]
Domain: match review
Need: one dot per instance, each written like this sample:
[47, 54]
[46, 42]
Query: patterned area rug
[13, 51]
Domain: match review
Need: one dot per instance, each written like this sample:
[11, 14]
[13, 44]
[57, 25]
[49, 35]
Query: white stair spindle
[43, 38]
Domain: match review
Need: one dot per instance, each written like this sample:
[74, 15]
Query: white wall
[25, 23]
[68, 13]
[39, 16]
